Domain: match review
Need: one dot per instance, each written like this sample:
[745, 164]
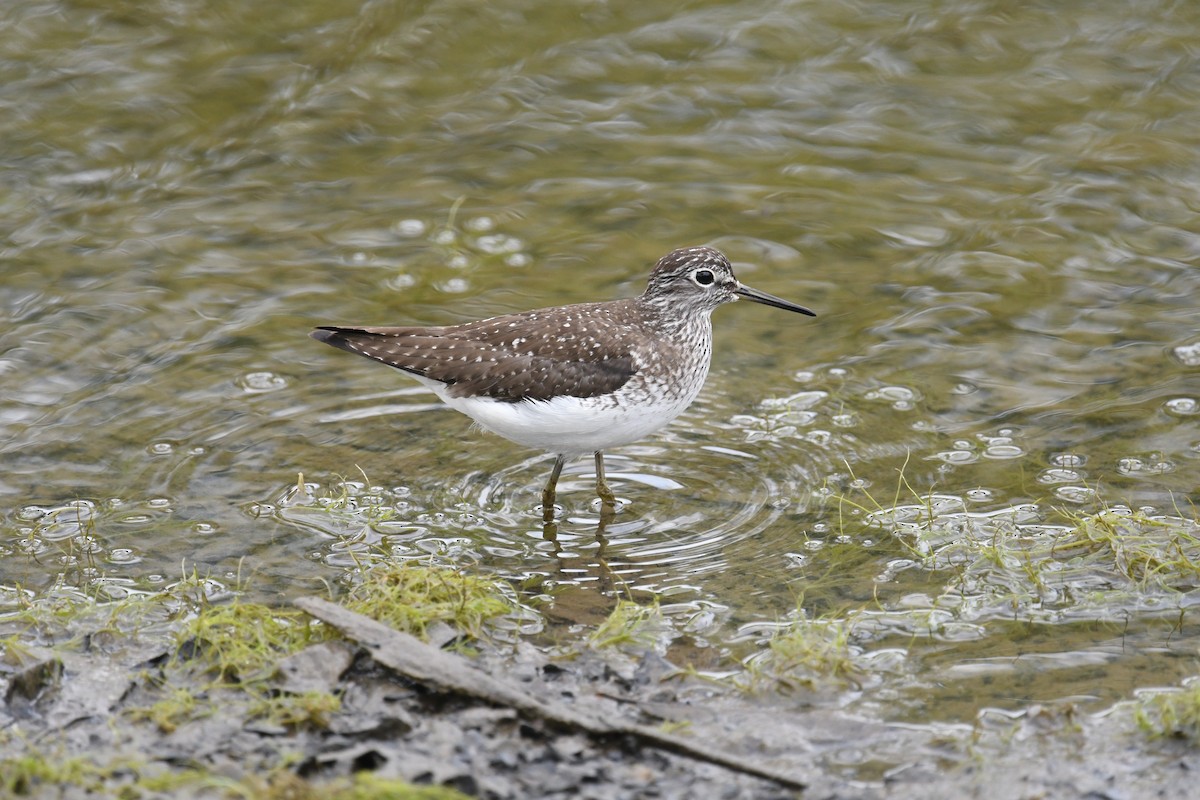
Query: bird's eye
[704, 277]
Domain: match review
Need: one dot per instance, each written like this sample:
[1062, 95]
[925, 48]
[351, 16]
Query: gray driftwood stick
[411, 657]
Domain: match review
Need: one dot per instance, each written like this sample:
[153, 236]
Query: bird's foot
[608, 503]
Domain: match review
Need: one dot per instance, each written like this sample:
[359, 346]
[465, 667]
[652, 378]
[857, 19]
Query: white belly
[574, 426]
[568, 425]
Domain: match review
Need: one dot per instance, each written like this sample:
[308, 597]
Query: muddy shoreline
[65, 705]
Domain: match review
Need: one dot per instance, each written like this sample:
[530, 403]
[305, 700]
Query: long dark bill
[771, 300]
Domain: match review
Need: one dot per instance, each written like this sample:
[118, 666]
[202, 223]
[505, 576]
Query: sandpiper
[574, 379]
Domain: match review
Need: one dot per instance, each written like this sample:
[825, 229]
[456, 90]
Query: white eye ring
[704, 277]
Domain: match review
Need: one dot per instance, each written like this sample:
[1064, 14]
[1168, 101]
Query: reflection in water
[591, 570]
[653, 539]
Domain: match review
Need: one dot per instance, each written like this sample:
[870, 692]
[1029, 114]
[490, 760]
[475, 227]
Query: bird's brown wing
[577, 351]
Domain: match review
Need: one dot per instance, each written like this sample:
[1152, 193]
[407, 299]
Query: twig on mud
[413, 658]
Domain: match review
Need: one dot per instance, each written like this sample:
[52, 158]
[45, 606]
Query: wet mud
[430, 730]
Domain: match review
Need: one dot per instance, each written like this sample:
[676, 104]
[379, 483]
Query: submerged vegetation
[979, 570]
[1053, 554]
[804, 654]
[1171, 713]
[628, 624]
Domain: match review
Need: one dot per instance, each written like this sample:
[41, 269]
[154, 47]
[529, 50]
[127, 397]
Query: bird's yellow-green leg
[607, 497]
[548, 492]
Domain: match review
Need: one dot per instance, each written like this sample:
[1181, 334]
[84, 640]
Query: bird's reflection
[571, 564]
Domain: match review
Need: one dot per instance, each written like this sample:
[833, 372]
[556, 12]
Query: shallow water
[991, 208]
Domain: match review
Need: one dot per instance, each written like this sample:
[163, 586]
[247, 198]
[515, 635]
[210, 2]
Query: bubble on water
[123, 555]
[203, 527]
[410, 227]
[980, 495]
[1188, 354]
[1059, 475]
[260, 382]
[32, 545]
[1130, 466]
[444, 236]
[964, 388]
[400, 282]
[159, 503]
[518, 260]
[1001, 445]
[796, 559]
[480, 224]
[901, 398]
[499, 244]
[1182, 406]
[838, 372]
[796, 402]
[1075, 494]
[161, 448]
[455, 286]
[1152, 465]
[844, 420]
[955, 457]
[87, 544]
[1068, 460]
[819, 437]
[803, 376]
[458, 261]
[30, 513]
[359, 257]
